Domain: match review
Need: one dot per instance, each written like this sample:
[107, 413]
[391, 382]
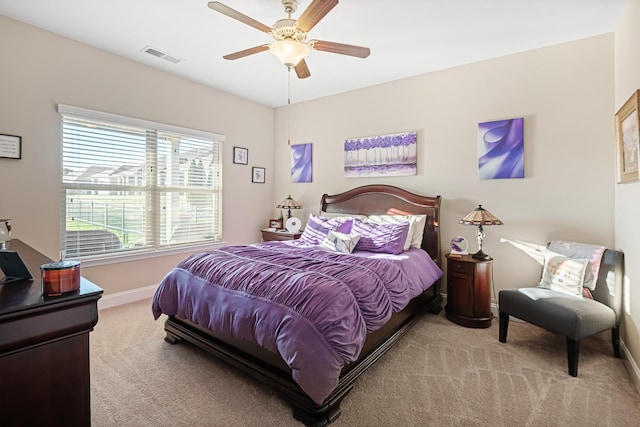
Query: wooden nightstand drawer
[460, 266]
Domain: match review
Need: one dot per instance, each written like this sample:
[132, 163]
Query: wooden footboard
[270, 368]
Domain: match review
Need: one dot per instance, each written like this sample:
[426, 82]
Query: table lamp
[289, 204]
[480, 217]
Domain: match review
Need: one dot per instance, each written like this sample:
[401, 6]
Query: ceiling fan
[290, 35]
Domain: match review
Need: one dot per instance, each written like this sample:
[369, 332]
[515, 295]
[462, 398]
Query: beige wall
[564, 93]
[627, 196]
[40, 70]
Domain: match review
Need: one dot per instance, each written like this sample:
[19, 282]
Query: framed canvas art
[383, 155]
[302, 163]
[501, 149]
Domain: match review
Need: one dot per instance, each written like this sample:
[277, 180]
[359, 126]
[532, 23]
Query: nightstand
[279, 235]
[469, 291]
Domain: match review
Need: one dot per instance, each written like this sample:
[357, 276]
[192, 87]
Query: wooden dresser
[44, 349]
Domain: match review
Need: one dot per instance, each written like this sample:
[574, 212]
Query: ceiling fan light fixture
[289, 52]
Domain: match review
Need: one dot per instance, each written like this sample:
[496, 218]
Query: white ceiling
[406, 38]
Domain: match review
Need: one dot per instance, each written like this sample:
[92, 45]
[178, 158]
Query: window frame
[155, 249]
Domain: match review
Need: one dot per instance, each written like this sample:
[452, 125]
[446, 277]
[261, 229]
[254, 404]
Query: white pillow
[340, 242]
[418, 230]
[416, 226]
[563, 274]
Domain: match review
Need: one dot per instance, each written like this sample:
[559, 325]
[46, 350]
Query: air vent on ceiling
[157, 53]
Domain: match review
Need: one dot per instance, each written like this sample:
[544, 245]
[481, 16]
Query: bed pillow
[416, 226]
[418, 230]
[383, 238]
[582, 250]
[318, 228]
[563, 274]
[340, 242]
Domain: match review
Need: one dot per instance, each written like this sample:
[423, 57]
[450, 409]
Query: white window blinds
[134, 185]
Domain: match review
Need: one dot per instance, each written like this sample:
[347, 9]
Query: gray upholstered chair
[567, 315]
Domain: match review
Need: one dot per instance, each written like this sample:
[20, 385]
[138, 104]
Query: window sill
[99, 260]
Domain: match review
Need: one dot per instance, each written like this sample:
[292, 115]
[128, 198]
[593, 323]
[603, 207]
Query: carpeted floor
[440, 374]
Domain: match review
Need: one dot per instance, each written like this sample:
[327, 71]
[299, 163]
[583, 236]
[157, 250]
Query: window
[131, 185]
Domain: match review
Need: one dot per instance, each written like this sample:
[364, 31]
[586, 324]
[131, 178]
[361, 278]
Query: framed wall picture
[302, 163]
[240, 155]
[258, 175]
[275, 223]
[501, 149]
[628, 140]
[11, 146]
[381, 156]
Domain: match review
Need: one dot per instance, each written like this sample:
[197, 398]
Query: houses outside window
[132, 186]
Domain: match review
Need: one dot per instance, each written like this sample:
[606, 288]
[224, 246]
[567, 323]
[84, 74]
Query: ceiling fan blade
[302, 71]
[314, 13]
[232, 13]
[247, 52]
[341, 48]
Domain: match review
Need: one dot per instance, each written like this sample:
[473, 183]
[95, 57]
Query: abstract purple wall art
[384, 155]
[501, 149]
[302, 163]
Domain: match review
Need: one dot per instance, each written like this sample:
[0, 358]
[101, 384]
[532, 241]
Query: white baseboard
[631, 365]
[119, 298]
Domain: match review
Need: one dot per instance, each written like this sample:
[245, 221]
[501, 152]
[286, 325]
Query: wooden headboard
[381, 199]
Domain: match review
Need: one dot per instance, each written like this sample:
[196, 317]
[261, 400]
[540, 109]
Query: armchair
[575, 318]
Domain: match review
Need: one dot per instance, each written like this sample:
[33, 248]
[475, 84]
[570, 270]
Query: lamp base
[481, 255]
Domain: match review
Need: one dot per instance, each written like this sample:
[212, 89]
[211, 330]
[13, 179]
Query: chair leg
[504, 326]
[573, 351]
[615, 340]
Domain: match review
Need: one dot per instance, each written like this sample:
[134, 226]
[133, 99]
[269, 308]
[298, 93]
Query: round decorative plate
[459, 244]
[293, 224]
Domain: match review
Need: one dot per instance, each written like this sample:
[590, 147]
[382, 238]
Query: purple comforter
[311, 306]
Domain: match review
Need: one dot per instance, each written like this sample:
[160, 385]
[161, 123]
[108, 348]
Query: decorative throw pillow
[582, 251]
[340, 242]
[318, 228]
[416, 226]
[563, 274]
[382, 238]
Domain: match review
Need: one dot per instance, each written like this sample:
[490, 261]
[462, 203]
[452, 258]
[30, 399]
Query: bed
[280, 362]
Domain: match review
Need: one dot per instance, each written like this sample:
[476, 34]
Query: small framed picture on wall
[275, 223]
[11, 146]
[240, 155]
[258, 175]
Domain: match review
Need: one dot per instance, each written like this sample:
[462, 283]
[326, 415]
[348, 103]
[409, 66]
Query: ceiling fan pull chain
[288, 105]
[289, 86]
